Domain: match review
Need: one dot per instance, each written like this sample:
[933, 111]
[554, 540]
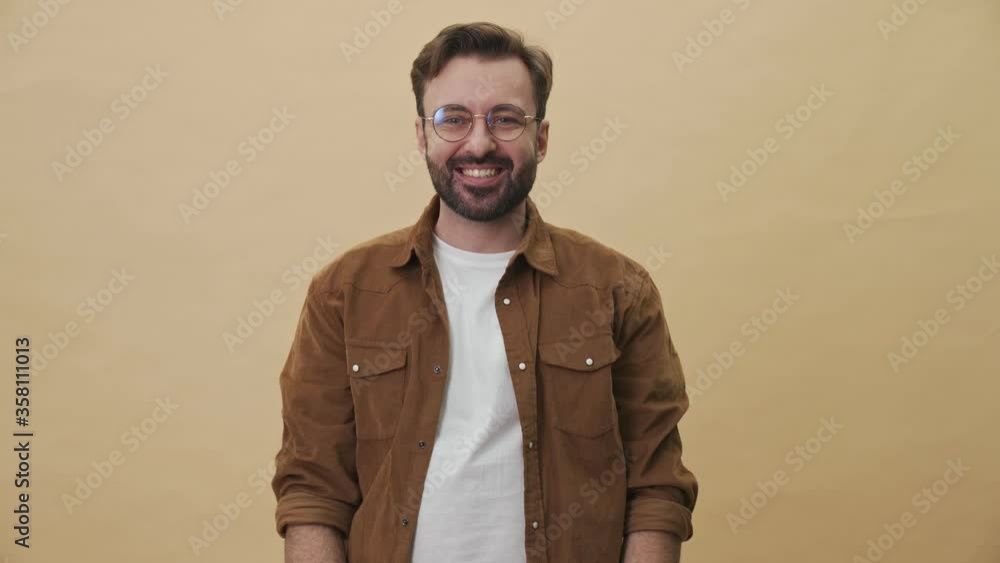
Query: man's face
[480, 85]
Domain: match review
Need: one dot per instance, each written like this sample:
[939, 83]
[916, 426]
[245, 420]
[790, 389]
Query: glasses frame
[485, 116]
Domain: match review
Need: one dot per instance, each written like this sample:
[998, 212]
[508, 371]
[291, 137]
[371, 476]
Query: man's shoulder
[581, 260]
[584, 260]
[368, 260]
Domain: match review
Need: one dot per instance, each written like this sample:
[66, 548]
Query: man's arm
[651, 398]
[652, 547]
[315, 480]
[310, 543]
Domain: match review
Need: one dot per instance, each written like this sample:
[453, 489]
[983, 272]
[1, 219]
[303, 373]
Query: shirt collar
[536, 242]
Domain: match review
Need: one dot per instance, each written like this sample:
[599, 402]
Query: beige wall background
[905, 131]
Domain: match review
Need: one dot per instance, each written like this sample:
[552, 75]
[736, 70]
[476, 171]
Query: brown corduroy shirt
[597, 380]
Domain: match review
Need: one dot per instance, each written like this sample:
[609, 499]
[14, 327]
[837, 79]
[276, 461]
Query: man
[482, 387]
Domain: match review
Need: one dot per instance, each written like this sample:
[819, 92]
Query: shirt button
[534, 525]
[521, 366]
[590, 361]
[506, 301]
[355, 367]
[421, 443]
[406, 522]
[437, 368]
[531, 445]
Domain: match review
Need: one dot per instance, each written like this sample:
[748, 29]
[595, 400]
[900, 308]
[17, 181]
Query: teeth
[480, 173]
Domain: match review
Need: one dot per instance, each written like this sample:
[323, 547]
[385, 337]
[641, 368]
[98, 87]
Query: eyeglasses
[506, 122]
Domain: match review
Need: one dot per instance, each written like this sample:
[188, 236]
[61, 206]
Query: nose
[480, 141]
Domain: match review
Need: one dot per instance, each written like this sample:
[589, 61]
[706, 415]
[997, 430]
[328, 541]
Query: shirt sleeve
[651, 399]
[315, 480]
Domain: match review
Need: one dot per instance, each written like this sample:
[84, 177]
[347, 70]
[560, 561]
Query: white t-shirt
[473, 502]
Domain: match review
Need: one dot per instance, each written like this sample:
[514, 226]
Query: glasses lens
[507, 122]
[452, 122]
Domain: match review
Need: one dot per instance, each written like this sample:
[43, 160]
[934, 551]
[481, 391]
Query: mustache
[489, 161]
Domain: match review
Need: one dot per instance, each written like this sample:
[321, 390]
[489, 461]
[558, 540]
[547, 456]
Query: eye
[452, 120]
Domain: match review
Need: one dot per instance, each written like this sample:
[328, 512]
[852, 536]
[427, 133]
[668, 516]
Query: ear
[421, 138]
[542, 142]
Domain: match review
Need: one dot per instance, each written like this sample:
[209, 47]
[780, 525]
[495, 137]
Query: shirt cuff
[304, 508]
[659, 515]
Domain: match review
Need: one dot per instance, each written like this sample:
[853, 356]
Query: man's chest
[555, 342]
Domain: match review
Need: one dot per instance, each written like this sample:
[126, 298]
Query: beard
[477, 203]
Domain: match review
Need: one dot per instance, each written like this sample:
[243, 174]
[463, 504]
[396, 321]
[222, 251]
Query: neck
[500, 235]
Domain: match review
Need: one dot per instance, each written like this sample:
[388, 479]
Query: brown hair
[489, 41]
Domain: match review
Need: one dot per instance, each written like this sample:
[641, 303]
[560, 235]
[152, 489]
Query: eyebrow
[460, 106]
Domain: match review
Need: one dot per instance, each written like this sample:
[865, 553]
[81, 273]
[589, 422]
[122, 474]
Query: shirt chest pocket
[576, 378]
[378, 383]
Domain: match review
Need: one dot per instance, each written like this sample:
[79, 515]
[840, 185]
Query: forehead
[480, 84]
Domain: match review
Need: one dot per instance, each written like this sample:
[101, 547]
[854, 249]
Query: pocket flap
[587, 355]
[366, 359]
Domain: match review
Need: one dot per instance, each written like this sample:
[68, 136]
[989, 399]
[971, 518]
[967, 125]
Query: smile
[479, 172]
